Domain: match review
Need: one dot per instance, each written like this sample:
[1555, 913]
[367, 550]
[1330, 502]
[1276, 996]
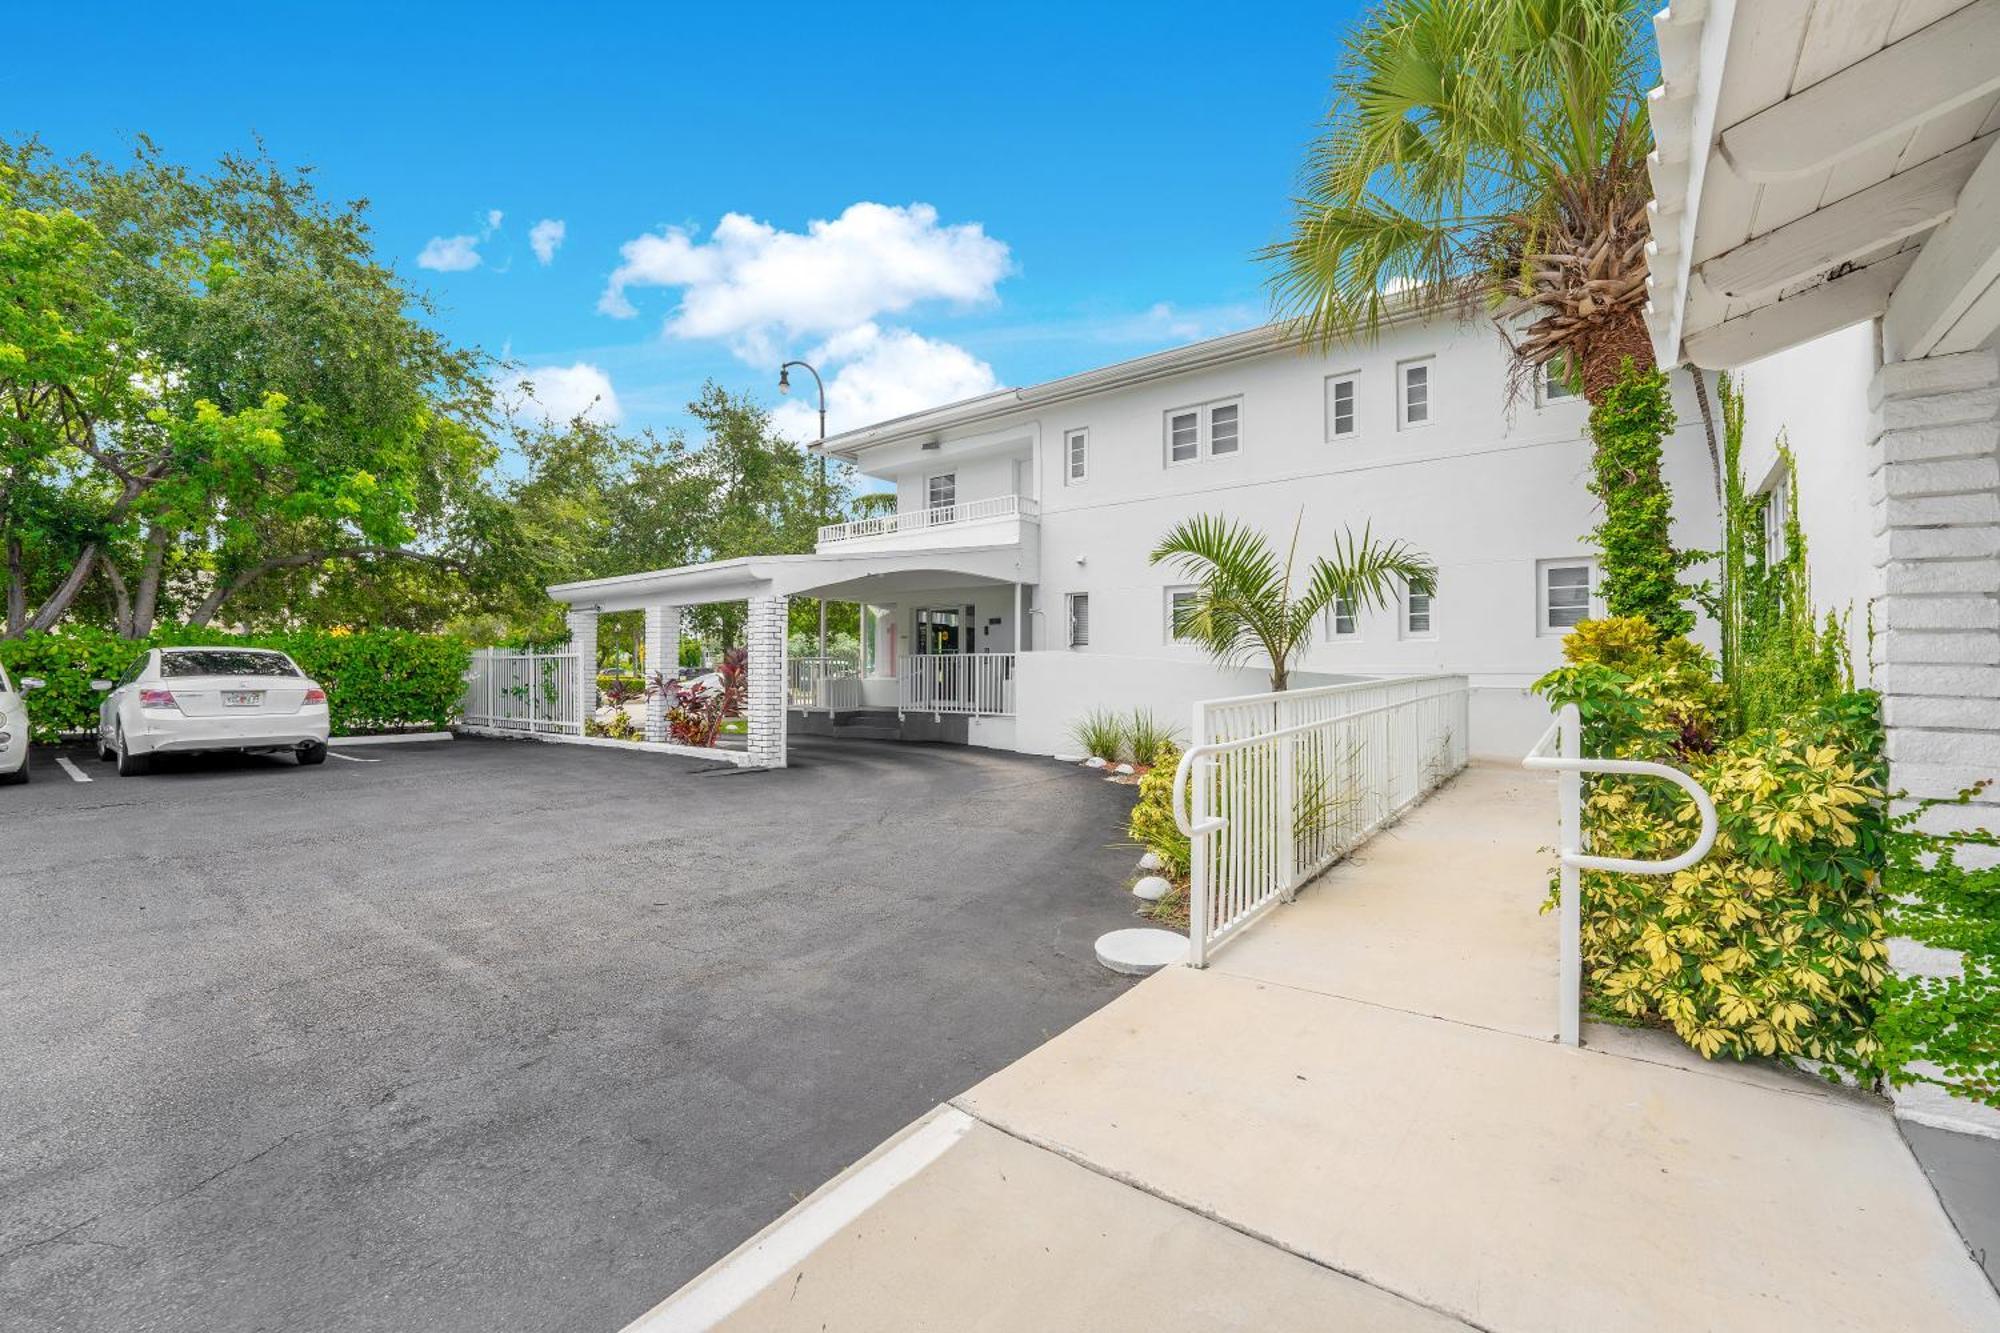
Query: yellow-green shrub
[1151, 824]
[1773, 943]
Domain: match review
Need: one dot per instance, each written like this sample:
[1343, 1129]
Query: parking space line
[350, 758]
[75, 774]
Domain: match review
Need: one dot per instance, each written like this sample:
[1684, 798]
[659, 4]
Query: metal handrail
[1567, 731]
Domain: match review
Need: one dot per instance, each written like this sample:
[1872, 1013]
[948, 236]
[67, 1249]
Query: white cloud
[877, 374]
[449, 254]
[558, 394]
[546, 237]
[493, 216]
[750, 281]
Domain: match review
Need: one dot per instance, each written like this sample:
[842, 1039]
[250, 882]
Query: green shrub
[375, 680]
[1151, 824]
[618, 727]
[1147, 736]
[1641, 567]
[1101, 732]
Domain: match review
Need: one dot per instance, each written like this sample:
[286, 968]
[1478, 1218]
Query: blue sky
[1006, 194]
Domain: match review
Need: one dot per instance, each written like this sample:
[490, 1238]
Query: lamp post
[785, 386]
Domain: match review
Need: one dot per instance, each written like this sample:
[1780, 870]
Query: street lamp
[785, 387]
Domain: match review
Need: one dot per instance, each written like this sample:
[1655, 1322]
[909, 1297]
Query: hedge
[375, 680]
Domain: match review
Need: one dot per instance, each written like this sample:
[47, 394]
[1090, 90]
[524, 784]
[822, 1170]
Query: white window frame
[1334, 632]
[1076, 456]
[1777, 501]
[1169, 594]
[1553, 384]
[1427, 364]
[1352, 379]
[1430, 630]
[1070, 602]
[1593, 607]
[930, 490]
[1204, 438]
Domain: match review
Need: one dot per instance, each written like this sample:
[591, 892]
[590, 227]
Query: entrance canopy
[844, 577]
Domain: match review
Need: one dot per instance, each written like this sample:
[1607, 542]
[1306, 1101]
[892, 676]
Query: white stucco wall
[1815, 396]
[1489, 493]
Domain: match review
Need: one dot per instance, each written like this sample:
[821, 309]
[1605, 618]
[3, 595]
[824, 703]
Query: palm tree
[1483, 154]
[1244, 604]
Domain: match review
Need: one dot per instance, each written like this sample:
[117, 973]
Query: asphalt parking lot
[499, 1036]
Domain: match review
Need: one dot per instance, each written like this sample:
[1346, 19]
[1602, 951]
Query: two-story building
[1011, 590]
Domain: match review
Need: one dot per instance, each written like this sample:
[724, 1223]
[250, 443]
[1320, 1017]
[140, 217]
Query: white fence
[533, 693]
[1569, 763]
[957, 683]
[937, 516]
[831, 684]
[1274, 788]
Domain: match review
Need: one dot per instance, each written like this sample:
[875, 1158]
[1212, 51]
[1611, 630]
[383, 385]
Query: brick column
[765, 636]
[663, 655]
[583, 642]
[1935, 484]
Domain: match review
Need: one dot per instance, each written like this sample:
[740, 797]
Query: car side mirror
[101, 686]
[32, 683]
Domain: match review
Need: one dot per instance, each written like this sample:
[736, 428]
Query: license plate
[242, 698]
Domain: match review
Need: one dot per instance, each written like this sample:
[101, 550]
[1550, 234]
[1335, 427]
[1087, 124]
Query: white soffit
[1807, 154]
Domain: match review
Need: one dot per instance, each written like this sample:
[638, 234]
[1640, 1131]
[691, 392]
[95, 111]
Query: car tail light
[315, 696]
[157, 699]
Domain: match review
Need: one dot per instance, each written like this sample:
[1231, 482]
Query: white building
[1011, 591]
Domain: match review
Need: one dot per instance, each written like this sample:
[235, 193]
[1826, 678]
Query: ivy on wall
[1641, 567]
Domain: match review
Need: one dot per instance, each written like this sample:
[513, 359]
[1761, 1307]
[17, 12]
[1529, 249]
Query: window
[1222, 437]
[1555, 381]
[1413, 394]
[225, 662]
[1419, 622]
[1565, 594]
[1076, 456]
[1339, 406]
[1775, 514]
[1209, 431]
[942, 491]
[1180, 604]
[1079, 620]
[1341, 622]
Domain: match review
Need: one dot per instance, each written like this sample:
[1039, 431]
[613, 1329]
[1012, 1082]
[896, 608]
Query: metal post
[1569, 784]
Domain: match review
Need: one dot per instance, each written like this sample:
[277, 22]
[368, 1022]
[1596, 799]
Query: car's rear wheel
[312, 752]
[131, 765]
[18, 775]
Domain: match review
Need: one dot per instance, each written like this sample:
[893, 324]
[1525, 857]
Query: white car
[14, 726]
[186, 700]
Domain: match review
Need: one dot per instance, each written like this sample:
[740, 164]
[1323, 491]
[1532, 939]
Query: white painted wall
[1489, 493]
[1055, 688]
[1815, 396]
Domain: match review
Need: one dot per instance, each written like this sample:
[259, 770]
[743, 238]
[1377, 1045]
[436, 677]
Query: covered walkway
[1357, 1118]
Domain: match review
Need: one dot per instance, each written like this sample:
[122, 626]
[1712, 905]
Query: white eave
[1818, 163]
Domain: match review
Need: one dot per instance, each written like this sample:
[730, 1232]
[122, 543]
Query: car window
[132, 672]
[225, 662]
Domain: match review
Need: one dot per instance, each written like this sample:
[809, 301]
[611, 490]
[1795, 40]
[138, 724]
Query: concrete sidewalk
[1356, 1120]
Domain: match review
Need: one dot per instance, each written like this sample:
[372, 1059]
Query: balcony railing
[958, 683]
[816, 683]
[922, 520]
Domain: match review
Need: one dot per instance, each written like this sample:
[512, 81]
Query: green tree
[291, 414]
[1245, 605]
[1483, 153]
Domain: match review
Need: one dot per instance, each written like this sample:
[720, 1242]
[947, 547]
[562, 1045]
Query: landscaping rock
[1152, 861]
[1123, 769]
[1093, 762]
[1151, 888]
[1141, 949]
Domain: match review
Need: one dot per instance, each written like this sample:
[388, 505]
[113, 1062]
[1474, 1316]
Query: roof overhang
[1819, 163]
[839, 577]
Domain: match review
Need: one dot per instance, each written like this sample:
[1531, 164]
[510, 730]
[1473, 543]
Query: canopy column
[583, 644]
[662, 651]
[765, 636]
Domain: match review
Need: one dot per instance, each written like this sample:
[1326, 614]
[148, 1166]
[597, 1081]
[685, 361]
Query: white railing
[534, 693]
[1274, 788]
[938, 516]
[957, 683]
[1568, 761]
[831, 684]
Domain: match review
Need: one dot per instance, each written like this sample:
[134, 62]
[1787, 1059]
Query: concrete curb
[396, 738]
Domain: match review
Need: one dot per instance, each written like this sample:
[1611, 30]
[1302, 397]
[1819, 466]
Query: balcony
[995, 520]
